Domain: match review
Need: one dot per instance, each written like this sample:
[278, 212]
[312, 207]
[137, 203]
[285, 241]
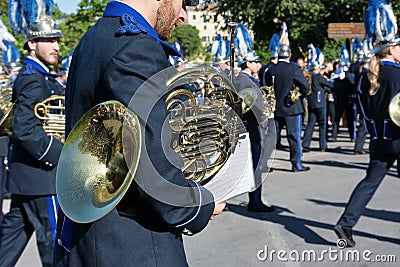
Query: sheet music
[236, 176]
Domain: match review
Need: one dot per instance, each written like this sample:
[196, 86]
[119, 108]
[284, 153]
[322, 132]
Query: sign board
[346, 30]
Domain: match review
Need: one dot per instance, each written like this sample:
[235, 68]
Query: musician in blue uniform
[34, 154]
[345, 96]
[113, 59]
[286, 74]
[253, 120]
[317, 105]
[361, 135]
[377, 88]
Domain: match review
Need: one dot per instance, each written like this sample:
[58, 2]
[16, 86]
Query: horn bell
[95, 170]
[394, 109]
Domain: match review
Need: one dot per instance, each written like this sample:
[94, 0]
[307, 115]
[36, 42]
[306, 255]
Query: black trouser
[314, 115]
[351, 111]
[3, 179]
[255, 196]
[28, 214]
[268, 144]
[378, 167]
[361, 134]
[293, 132]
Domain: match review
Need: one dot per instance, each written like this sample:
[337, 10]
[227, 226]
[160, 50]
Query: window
[194, 17]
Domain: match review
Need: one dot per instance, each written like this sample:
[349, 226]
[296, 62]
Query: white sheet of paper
[236, 176]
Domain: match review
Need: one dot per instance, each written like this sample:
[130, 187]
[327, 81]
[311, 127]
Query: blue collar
[391, 63]
[251, 77]
[117, 9]
[32, 63]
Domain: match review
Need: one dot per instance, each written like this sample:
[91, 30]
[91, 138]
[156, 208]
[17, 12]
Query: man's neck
[39, 62]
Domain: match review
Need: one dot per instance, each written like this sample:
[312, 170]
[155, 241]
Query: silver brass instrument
[94, 172]
[394, 109]
[250, 95]
[6, 107]
[205, 131]
[51, 112]
[269, 99]
[294, 95]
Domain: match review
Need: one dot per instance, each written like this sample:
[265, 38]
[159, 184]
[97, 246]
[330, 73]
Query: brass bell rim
[74, 185]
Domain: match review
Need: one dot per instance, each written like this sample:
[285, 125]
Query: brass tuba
[51, 112]
[394, 109]
[205, 127]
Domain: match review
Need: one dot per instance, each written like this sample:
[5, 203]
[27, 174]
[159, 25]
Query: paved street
[307, 206]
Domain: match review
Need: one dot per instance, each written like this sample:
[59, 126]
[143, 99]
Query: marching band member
[113, 59]
[378, 87]
[34, 154]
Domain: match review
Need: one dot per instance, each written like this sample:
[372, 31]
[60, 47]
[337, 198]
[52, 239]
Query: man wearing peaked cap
[288, 110]
[35, 153]
[316, 100]
[377, 90]
[253, 120]
[345, 95]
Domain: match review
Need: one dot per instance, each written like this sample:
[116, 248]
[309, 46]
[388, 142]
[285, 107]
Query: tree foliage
[188, 35]
[307, 20]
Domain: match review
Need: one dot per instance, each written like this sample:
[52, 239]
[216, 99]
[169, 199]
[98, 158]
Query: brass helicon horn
[206, 127]
[93, 173]
[250, 95]
[51, 112]
[394, 109]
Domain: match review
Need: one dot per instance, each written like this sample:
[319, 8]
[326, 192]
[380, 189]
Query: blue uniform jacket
[113, 59]
[318, 85]
[34, 154]
[286, 74]
[385, 135]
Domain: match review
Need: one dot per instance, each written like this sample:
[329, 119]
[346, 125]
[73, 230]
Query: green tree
[307, 20]
[75, 25]
[188, 35]
[20, 39]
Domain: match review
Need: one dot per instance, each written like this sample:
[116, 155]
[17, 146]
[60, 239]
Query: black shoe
[303, 169]
[345, 234]
[280, 146]
[260, 208]
[359, 152]
[306, 149]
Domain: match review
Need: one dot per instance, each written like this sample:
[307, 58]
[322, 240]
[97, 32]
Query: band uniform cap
[381, 25]
[44, 27]
[191, 2]
[250, 57]
[284, 43]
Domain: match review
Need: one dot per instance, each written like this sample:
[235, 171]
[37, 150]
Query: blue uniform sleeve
[27, 128]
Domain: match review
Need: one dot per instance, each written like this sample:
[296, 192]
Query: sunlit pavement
[299, 232]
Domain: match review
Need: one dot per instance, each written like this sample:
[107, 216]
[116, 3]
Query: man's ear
[32, 44]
